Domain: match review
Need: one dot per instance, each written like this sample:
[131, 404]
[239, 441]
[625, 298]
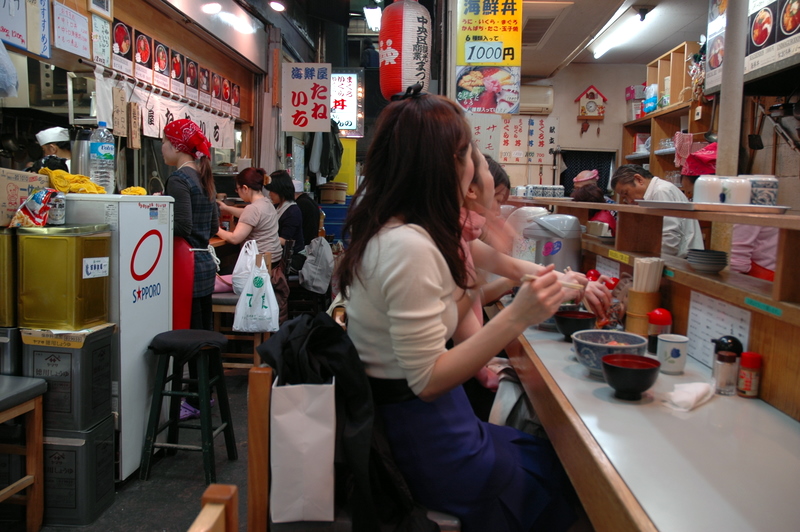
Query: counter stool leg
[206, 429]
[152, 424]
[224, 407]
[173, 433]
[34, 465]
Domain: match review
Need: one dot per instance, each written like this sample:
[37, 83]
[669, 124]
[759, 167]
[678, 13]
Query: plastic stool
[23, 396]
[183, 346]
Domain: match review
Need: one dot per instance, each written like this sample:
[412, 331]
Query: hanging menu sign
[204, 85]
[763, 31]
[38, 15]
[513, 140]
[542, 138]
[143, 58]
[177, 74]
[191, 80]
[486, 133]
[71, 30]
[14, 24]
[216, 90]
[161, 65]
[101, 40]
[122, 48]
[236, 100]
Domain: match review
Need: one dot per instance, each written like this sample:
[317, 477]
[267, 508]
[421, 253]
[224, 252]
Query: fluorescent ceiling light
[239, 24]
[277, 6]
[212, 8]
[623, 30]
[373, 16]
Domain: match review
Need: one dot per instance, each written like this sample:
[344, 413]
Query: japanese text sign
[489, 32]
[347, 102]
[71, 30]
[306, 97]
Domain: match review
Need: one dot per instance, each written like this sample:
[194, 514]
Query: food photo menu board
[216, 91]
[143, 58]
[773, 39]
[177, 74]
[226, 96]
[191, 79]
[204, 86]
[161, 65]
[236, 100]
[122, 48]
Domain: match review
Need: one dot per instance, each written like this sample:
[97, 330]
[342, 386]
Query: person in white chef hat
[55, 143]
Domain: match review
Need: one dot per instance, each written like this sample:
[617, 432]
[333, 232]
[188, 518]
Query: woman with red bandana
[195, 212]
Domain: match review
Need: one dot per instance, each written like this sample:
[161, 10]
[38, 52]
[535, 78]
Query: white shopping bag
[302, 433]
[257, 309]
[244, 266]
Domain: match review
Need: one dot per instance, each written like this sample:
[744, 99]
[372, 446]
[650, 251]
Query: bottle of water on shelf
[101, 158]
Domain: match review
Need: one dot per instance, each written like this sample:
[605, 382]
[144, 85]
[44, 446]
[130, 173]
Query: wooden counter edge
[606, 498]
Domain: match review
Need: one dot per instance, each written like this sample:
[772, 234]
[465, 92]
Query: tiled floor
[170, 500]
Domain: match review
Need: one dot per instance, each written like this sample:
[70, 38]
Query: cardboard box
[634, 109]
[15, 187]
[634, 92]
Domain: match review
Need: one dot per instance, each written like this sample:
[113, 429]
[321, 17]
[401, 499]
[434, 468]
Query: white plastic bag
[244, 266]
[302, 443]
[317, 270]
[257, 309]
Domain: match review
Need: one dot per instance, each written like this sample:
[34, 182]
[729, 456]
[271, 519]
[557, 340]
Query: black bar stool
[183, 346]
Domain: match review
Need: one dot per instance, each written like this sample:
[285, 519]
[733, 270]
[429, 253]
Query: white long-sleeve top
[401, 310]
[678, 235]
[751, 243]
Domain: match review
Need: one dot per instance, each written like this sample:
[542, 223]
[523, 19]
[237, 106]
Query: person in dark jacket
[369, 55]
[290, 217]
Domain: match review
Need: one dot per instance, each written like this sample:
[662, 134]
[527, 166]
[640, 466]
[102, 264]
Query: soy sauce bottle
[659, 321]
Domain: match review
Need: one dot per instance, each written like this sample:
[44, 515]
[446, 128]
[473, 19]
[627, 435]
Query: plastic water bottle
[101, 158]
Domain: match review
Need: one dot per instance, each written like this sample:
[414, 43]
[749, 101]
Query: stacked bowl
[707, 260]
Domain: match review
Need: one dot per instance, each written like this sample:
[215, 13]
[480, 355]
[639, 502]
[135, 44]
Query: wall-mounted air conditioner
[536, 100]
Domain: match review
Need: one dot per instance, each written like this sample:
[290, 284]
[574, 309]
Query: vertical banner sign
[306, 97]
[489, 55]
[38, 12]
[514, 140]
[101, 41]
[715, 44]
[71, 30]
[542, 137]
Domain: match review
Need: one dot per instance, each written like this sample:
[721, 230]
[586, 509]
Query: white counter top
[731, 464]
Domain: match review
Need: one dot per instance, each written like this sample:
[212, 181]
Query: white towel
[688, 396]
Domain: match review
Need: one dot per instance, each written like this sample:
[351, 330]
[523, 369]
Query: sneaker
[188, 411]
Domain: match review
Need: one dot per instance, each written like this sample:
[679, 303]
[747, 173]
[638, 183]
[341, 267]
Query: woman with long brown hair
[401, 271]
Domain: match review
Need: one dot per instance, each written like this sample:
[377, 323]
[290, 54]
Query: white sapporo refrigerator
[140, 303]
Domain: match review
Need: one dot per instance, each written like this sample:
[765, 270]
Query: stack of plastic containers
[66, 339]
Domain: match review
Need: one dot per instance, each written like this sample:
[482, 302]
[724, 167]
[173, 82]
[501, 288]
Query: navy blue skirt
[493, 478]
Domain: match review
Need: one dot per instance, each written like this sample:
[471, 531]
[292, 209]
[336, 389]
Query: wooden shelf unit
[665, 122]
[775, 306]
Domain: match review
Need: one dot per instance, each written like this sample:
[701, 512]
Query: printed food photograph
[235, 95]
[762, 27]
[142, 49]
[161, 58]
[488, 89]
[226, 90]
[203, 82]
[716, 52]
[177, 66]
[216, 85]
[718, 8]
[191, 73]
[790, 17]
[122, 39]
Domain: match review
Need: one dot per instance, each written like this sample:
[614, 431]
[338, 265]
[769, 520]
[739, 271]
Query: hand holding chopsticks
[565, 284]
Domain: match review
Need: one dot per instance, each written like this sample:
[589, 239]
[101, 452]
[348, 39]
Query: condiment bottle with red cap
[659, 321]
[749, 374]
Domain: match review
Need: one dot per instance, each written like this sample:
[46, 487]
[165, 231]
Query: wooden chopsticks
[565, 284]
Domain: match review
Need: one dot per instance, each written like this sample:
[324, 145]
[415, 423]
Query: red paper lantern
[405, 47]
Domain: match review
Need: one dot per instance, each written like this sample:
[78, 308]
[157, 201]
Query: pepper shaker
[726, 364]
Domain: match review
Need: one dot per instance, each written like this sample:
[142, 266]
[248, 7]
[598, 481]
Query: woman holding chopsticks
[402, 271]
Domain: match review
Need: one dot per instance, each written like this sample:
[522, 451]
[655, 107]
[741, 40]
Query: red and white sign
[306, 97]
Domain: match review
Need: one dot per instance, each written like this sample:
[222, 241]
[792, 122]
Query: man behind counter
[678, 235]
